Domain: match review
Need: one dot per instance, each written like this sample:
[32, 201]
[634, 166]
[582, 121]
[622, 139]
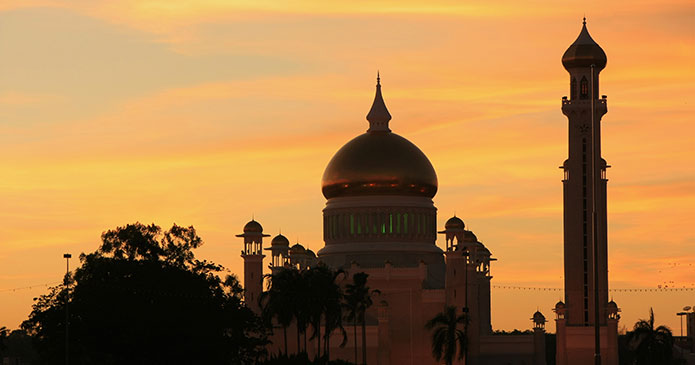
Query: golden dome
[379, 162]
[584, 52]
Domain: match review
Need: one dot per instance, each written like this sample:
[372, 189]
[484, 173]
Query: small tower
[253, 263]
[560, 333]
[298, 256]
[467, 283]
[454, 229]
[279, 250]
[538, 338]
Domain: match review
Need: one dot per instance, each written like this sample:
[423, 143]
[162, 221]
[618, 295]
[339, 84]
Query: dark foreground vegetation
[144, 298]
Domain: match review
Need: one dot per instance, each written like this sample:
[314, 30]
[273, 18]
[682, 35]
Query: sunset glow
[205, 113]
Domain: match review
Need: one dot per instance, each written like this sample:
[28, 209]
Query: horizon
[208, 113]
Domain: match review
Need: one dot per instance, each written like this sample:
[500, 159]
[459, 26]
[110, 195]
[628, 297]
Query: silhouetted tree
[327, 303]
[279, 301]
[143, 298]
[358, 298]
[17, 347]
[447, 338]
[311, 296]
[3, 338]
[649, 344]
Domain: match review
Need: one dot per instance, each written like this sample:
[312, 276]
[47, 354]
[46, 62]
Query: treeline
[144, 298]
[318, 306]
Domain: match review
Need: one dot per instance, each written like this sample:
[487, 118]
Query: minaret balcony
[570, 106]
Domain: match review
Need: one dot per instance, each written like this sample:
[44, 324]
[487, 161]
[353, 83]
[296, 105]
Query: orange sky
[205, 112]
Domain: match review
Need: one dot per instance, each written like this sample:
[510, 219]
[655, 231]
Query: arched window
[584, 92]
[573, 88]
[352, 225]
[405, 223]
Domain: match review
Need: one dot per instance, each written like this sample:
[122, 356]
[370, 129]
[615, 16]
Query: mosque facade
[380, 219]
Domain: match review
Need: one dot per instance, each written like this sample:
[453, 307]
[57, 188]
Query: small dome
[253, 227]
[584, 52]
[469, 236]
[297, 249]
[310, 253]
[454, 223]
[538, 317]
[560, 305]
[612, 305]
[280, 240]
[484, 251]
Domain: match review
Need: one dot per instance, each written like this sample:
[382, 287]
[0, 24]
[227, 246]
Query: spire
[378, 116]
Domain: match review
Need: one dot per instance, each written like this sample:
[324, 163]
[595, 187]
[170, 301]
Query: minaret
[578, 188]
[253, 263]
[584, 189]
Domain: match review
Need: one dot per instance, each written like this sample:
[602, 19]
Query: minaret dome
[584, 52]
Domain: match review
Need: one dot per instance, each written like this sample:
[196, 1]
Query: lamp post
[681, 314]
[594, 223]
[465, 308]
[67, 257]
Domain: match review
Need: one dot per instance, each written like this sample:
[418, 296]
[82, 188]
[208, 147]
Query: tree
[358, 298]
[17, 347]
[4, 332]
[651, 345]
[311, 297]
[447, 338]
[279, 301]
[325, 302]
[351, 305]
[143, 290]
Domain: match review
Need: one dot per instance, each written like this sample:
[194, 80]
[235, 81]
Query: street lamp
[67, 257]
[465, 307]
[681, 314]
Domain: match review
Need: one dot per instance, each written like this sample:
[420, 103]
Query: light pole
[681, 314]
[594, 223]
[67, 257]
[465, 308]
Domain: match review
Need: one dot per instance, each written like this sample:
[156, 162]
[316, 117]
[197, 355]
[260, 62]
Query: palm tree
[358, 299]
[278, 301]
[651, 345]
[351, 305]
[446, 337]
[325, 304]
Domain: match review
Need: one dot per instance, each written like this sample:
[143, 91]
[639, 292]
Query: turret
[279, 252]
[252, 253]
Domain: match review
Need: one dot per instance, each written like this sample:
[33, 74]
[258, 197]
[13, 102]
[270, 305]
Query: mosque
[380, 219]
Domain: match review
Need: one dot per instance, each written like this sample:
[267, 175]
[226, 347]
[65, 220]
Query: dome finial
[584, 20]
[378, 116]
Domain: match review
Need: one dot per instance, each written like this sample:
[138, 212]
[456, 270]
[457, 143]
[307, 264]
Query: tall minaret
[578, 188]
[253, 263]
[584, 60]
